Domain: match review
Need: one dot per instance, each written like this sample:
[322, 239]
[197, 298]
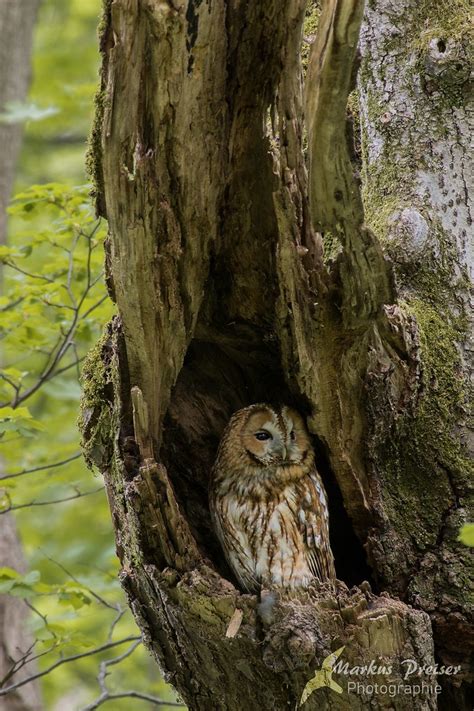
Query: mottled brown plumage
[268, 502]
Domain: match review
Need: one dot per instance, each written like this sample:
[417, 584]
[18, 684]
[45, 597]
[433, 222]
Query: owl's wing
[234, 546]
[313, 518]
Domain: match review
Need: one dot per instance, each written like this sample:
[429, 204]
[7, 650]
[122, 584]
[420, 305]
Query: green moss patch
[95, 418]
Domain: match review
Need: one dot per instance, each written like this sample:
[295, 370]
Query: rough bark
[416, 104]
[215, 260]
[17, 19]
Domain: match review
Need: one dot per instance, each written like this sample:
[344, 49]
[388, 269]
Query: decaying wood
[215, 262]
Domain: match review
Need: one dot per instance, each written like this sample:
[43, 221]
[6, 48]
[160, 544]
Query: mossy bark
[215, 260]
[416, 96]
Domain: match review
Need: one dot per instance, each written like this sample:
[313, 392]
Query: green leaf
[18, 585]
[466, 534]
[32, 577]
[9, 573]
[6, 586]
[18, 420]
[81, 641]
[44, 634]
[75, 599]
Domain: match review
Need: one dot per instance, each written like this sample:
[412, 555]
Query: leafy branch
[54, 308]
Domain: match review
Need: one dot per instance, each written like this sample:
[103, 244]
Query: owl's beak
[284, 453]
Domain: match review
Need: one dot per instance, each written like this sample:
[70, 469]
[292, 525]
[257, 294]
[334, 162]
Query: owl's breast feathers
[273, 526]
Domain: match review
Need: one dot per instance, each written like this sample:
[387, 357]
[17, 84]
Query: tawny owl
[268, 502]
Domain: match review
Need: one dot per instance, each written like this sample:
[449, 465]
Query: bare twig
[40, 615]
[74, 364]
[67, 342]
[18, 664]
[12, 304]
[77, 495]
[103, 698]
[10, 382]
[97, 304]
[29, 274]
[70, 271]
[23, 472]
[107, 695]
[115, 621]
[65, 660]
[26, 659]
[95, 595]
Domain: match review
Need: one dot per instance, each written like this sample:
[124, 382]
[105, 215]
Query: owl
[268, 503]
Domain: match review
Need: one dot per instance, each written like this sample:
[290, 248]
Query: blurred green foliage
[65, 70]
[53, 308]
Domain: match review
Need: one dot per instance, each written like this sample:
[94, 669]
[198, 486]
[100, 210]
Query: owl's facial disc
[276, 438]
[263, 438]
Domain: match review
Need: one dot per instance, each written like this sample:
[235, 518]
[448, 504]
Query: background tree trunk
[215, 260]
[416, 100]
[17, 19]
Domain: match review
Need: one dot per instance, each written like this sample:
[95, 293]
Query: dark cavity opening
[441, 44]
[349, 554]
[220, 376]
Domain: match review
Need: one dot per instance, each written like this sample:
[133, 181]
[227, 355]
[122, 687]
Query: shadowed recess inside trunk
[219, 377]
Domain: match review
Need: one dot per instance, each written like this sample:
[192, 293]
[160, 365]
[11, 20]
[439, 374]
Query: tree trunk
[237, 280]
[15, 640]
[17, 19]
[415, 90]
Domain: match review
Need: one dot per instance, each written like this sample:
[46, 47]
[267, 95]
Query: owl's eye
[263, 435]
[292, 435]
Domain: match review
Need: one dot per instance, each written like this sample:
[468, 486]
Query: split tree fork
[240, 278]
